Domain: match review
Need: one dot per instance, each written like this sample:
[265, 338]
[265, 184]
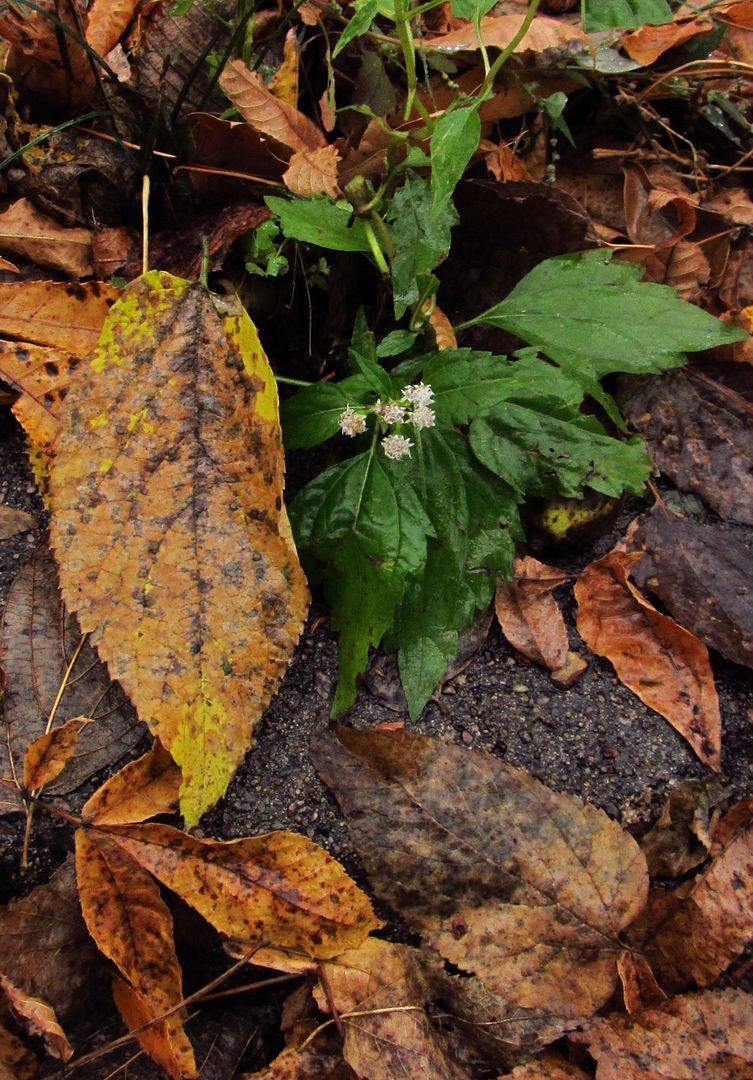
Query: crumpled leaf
[314, 172]
[55, 314]
[38, 640]
[280, 887]
[698, 1035]
[648, 43]
[47, 755]
[38, 238]
[37, 1018]
[177, 496]
[132, 925]
[526, 888]
[640, 989]
[267, 113]
[700, 433]
[702, 574]
[140, 790]
[13, 522]
[694, 932]
[665, 665]
[680, 839]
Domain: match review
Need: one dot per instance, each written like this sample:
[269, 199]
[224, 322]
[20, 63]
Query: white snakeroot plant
[390, 411]
[422, 417]
[396, 446]
[418, 394]
[352, 423]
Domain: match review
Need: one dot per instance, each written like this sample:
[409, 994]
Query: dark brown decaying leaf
[17, 1061]
[13, 522]
[708, 1035]
[38, 641]
[142, 789]
[704, 576]
[524, 887]
[37, 1018]
[700, 433]
[681, 838]
[694, 932]
[656, 658]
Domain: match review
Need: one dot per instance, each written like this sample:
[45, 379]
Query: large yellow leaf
[166, 493]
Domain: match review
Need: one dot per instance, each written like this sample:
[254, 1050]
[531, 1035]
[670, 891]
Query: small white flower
[422, 417]
[396, 446]
[351, 423]
[389, 411]
[419, 394]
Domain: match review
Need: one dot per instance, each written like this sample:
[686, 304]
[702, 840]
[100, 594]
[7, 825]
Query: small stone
[519, 688]
[466, 738]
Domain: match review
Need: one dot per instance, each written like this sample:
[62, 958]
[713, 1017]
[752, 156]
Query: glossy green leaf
[319, 221]
[311, 415]
[363, 14]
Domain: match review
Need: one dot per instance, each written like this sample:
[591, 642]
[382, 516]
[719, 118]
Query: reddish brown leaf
[142, 789]
[680, 840]
[281, 887]
[38, 238]
[648, 43]
[640, 989]
[498, 31]
[266, 113]
[548, 1067]
[314, 172]
[37, 1018]
[659, 209]
[505, 878]
[47, 755]
[656, 658]
[132, 926]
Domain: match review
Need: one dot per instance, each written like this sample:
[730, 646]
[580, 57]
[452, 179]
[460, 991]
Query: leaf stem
[292, 382]
[407, 44]
[488, 83]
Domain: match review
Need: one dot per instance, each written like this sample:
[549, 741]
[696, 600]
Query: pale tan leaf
[13, 522]
[31, 235]
[313, 172]
[497, 31]
[142, 789]
[266, 113]
[38, 1018]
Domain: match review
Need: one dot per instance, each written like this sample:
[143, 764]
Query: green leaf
[452, 145]
[421, 236]
[608, 14]
[537, 454]
[362, 354]
[471, 9]
[364, 13]
[587, 310]
[311, 416]
[319, 221]
[399, 341]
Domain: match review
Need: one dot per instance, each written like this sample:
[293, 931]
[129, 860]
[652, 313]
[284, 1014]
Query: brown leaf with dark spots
[48, 754]
[699, 433]
[526, 888]
[37, 1018]
[314, 1062]
[548, 1067]
[707, 1035]
[694, 932]
[640, 989]
[703, 574]
[42, 376]
[13, 522]
[60, 316]
[666, 666]
[164, 1042]
[132, 925]
[142, 789]
[681, 839]
[280, 888]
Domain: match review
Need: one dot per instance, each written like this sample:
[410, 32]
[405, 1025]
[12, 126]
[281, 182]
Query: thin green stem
[292, 382]
[405, 36]
[488, 83]
[375, 247]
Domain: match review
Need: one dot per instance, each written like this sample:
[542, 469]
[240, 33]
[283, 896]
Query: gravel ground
[596, 739]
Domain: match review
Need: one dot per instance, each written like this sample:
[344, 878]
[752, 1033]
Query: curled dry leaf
[42, 376]
[526, 888]
[648, 43]
[58, 315]
[38, 238]
[694, 932]
[164, 1042]
[142, 789]
[707, 1035]
[39, 641]
[48, 754]
[666, 666]
[640, 989]
[681, 838]
[313, 172]
[266, 113]
[13, 522]
[37, 1018]
[167, 509]
[131, 925]
[281, 887]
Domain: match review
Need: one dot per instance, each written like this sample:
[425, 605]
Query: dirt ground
[596, 739]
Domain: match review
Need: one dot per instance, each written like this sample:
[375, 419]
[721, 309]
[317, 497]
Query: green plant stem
[292, 382]
[407, 44]
[376, 249]
[487, 85]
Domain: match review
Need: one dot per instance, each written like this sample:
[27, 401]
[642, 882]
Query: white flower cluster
[413, 408]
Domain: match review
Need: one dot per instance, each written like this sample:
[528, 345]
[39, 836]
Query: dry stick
[351, 1015]
[324, 981]
[145, 224]
[74, 1063]
[229, 172]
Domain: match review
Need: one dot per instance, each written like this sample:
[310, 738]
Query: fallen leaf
[142, 789]
[693, 933]
[680, 839]
[313, 172]
[640, 989]
[526, 888]
[226, 149]
[17, 1062]
[284, 82]
[38, 238]
[498, 31]
[13, 522]
[42, 376]
[548, 1067]
[733, 203]
[106, 23]
[699, 433]
[178, 494]
[39, 642]
[48, 754]
[698, 1035]
[165, 1042]
[311, 1063]
[132, 926]
[369, 158]
[702, 574]
[653, 656]
[58, 315]
[658, 210]
[37, 1018]
[280, 887]
[648, 43]
[266, 113]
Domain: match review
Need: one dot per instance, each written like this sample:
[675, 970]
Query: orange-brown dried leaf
[166, 489]
[280, 887]
[131, 925]
[142, 789]
[313, 172]
[266, 113]
[47, 755]
[680, 840]
[497, 31]
[13, 522]
[58, 315]
[284, 82]
[526, 888]
[547, 1067]
[659, 210]
[708, 1035]
[37, 1018]
[165, 1042]
[665, 665]
[42, 376]
[640, 989]
[107, 21]
[311, 1063]
[648, 43]
[694, 932]
[528, 614]
[38, 238]
[444, 335]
